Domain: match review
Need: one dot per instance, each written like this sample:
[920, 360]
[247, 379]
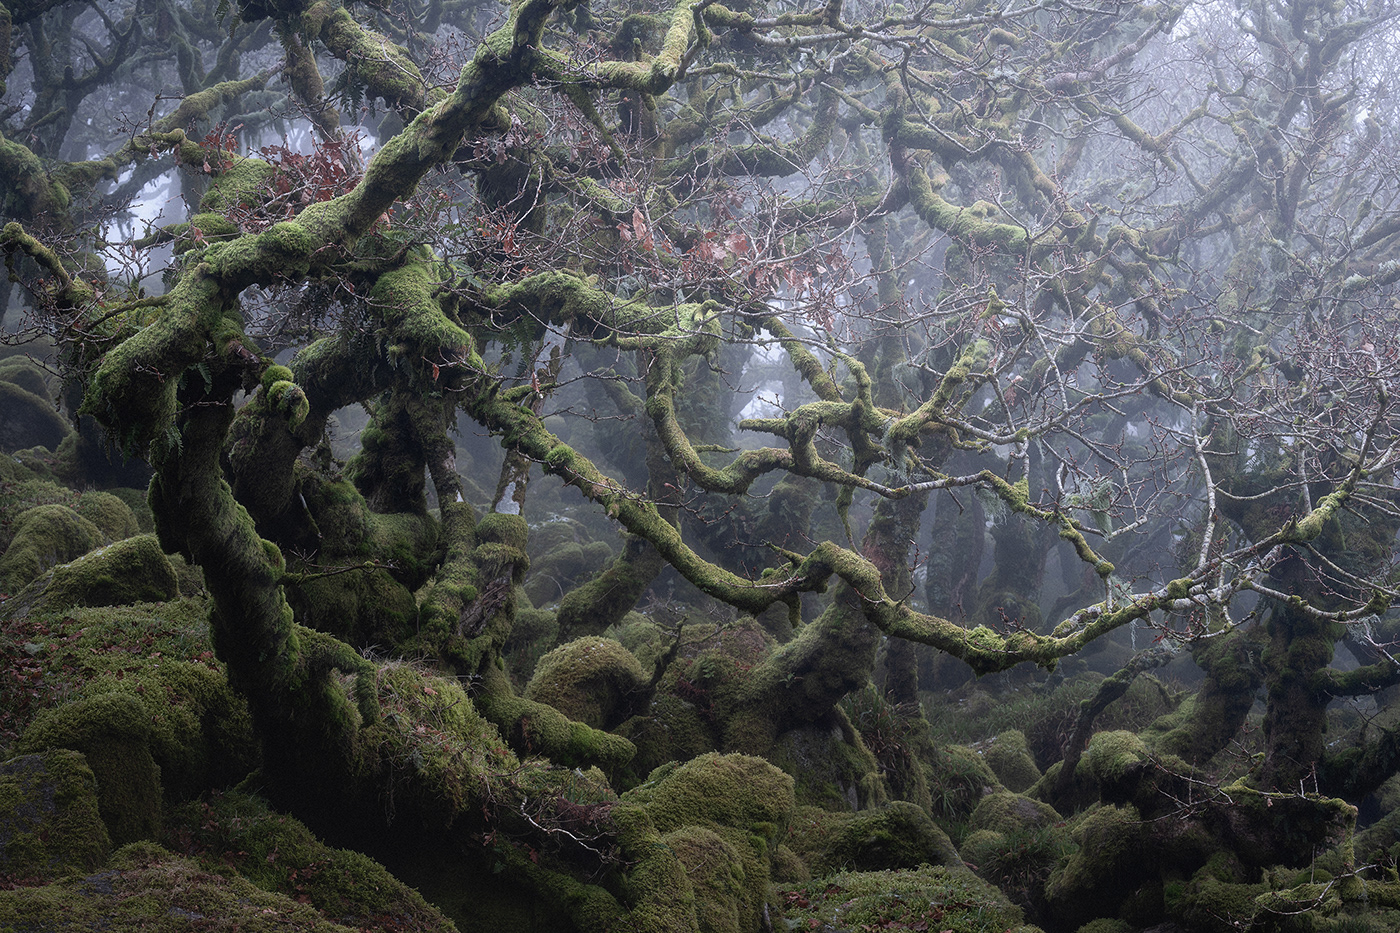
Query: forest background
[700, 467]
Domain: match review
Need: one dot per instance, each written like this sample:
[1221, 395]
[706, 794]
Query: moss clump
[898, 835]
[146, 888]
[1010, 759]
[589, 680]
[45, 536]
[958, 780]
[281, 856]
[49, 824]
[932, 898]
[135, 500]
[113, 732]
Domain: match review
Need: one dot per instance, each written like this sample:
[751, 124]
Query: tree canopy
[570, 393]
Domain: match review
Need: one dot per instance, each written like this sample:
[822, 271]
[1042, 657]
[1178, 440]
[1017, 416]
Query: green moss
[26, 374]
[29, 420]
[731, 790]
[1111, 754]
[161, 723]
[22, 491]
[1005, 812]
[45, 536]
[113, 732]
[363, 608]
[589, 680]
[241, 184]
[49, 823]
[722, 816]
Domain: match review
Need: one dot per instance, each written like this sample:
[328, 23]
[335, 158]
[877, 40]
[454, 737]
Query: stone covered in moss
[1109, 864]
[161, 724]
[134, 570]
[135, 499]
[722, 816]
[109, 513]
[1006, 812]
[590, 680]
[49, 825]
[281, 856]
[1010, 759]
[28, 420]
[44, 537]
[147, 888]
[928, 898]
[898, 835]
[958, 780]
[26, 374]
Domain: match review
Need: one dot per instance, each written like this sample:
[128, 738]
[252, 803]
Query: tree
[1122, 272]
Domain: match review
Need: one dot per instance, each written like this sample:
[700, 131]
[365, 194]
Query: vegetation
[697, 467]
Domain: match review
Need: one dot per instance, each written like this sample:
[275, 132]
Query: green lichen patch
[146, 888]
[49, 825]
[928, 898]
[236, 834]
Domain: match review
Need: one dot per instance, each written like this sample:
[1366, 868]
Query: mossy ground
[928, 898]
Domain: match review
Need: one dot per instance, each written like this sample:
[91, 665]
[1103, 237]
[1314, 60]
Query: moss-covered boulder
[20, 491]
[1006, 812]
[109, 513]
[134, 570]
[147, 888]
[49, 824]
[898, 835]
[28, 420]
[1010, 759]
[928, 898]
[26, 374]
[590, 680]
[722, 816]
[44, 537]
[1110, 863]
[279, 855]
[152, 729]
